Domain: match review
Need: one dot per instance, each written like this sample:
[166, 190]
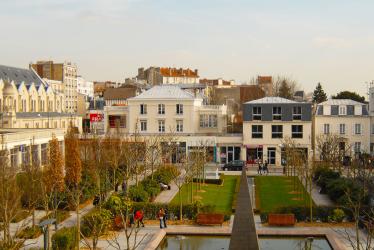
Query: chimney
[196, 72]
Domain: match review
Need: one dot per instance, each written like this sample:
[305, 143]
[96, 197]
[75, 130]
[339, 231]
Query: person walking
[266, 167]
[259, 166]
[160, 216]
[139, 214]
[166, 217]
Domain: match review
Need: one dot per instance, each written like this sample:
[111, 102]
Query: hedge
[209, 181]
[322, 213]
[65, 239]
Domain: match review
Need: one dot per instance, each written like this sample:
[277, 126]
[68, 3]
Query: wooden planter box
[210, 219]
[281, 220]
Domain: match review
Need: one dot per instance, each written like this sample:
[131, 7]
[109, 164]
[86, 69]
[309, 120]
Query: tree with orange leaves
[73, 172]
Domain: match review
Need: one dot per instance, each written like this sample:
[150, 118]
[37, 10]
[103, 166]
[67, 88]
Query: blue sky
[327, 41]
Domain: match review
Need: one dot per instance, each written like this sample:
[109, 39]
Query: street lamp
[253, 195]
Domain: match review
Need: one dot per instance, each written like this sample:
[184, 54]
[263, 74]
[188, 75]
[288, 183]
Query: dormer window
[296, 113]
[277, 113]
[257, 113]
[342, 110]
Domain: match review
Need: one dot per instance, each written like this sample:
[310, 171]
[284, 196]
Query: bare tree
[284, 87]
[10, 201]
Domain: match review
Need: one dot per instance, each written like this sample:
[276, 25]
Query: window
[372, 129]
[14, 157]
[161, 109]
[117, 121]
[161, 126]
[296, 113]
[357, 129]
[257, 131]
[179, 125]
[257, 113]
[342, 128]
[277, 113]
[143, 125]
[208, 121]
[357, 147]
[297, 131]
[326, 129]
[179, 109]
[342, 110]
[276, 131]
[44, 153]
[143, 109]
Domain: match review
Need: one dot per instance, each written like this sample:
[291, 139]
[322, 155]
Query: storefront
[229, 153]
[254, 152]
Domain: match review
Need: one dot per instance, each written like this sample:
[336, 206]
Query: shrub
[209, 181]
[138, 194]
[151, 209]
[151, 187]
[30, 232]
[165, 174]
[337, 215]
[114, 204]
[64, 239]
[324, 176]
[96, 222]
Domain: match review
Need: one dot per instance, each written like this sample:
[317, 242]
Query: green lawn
[219, 196]
[278, 191]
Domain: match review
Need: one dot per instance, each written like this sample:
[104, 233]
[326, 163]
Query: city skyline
[237, 40]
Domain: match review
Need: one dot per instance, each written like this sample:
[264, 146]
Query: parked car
[236, 165]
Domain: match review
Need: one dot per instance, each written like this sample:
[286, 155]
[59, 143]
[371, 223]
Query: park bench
[210, 219]
[281, 220]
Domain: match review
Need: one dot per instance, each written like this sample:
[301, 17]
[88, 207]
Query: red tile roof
[174, 72]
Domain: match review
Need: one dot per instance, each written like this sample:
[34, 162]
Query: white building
[167, 109]
[22, 142]
[267, 122]
[348, 119]
[85, 87]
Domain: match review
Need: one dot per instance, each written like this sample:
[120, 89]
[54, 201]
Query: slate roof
[341, 102]
[164, 92]
[42, 114]
[271, 100]
[19, 75]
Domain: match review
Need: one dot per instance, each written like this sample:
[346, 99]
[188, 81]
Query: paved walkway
[69, 222]
[167, 195]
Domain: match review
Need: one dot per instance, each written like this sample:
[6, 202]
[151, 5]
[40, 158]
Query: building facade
[269, 122]
[85, 87]
[27, 101]
[349, 120]
[22, 144]
[66, 73]
[157, 75]
[170, 110]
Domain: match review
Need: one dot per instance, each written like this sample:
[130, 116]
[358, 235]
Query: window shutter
[353, 128]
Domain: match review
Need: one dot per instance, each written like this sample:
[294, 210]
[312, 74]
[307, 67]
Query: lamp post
[253, 195]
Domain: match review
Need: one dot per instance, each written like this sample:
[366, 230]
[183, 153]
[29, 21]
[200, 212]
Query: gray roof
[19, 75]
[164, 92]
[271, 100]
[42, 114]
[341, 102]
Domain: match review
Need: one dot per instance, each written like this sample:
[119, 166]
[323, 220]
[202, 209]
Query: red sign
[96, 117]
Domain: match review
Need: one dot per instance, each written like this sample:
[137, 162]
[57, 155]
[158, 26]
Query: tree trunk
[180, 205]
[78, 220]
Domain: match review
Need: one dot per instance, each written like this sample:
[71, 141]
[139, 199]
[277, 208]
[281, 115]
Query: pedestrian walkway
[167, 195]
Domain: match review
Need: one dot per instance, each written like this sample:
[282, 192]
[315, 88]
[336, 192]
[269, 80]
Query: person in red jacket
[139, 214]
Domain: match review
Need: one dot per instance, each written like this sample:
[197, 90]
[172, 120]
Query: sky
[327, 41]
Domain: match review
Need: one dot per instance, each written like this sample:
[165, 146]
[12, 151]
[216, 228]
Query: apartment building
[268, 121]
[349, 120]
[168, 109]
[66, 74]
[27, 101]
